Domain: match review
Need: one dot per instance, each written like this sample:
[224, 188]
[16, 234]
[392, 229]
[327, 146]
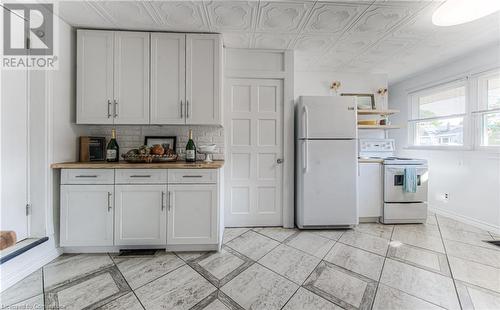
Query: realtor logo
[28, 36]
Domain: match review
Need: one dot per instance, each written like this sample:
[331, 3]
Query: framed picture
[365, 101]
[169, 142]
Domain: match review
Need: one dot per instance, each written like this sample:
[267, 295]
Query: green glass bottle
[112, 150]
[190, 148]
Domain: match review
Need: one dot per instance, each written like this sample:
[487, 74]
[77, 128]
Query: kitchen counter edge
[216, 164]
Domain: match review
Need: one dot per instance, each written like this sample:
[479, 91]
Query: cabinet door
[140, 215]
[131, 78]
[203, 79]
[94, 80]
[370, 194]
[192, 216]
[86, 215]
[168, 78]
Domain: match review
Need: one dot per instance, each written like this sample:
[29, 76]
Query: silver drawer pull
[140, 176]
[86, 176]
[192, 176]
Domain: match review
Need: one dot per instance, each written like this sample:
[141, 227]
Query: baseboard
[23, 265]
[467, 220]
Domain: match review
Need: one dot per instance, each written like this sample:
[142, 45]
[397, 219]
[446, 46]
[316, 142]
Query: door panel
[168, 72]
[254, 108]
[131, 78]
[192, 214]
[203, 79]
[94, 91]
[140, 215]
[86, 215]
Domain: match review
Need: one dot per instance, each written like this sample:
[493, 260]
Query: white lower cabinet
[193, 213]
[86, 215]
[140, 214]
[370, 193]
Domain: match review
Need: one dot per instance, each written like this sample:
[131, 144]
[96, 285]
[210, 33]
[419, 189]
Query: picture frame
[364, 101]
[168, 142]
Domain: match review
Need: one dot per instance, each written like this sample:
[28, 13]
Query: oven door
[393, 184]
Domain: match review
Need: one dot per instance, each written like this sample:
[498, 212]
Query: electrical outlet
[446, 197]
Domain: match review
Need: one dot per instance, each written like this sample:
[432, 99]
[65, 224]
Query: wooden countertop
[371, 160]
[124, 165]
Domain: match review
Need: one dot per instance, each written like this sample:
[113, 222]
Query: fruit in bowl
[157, 149]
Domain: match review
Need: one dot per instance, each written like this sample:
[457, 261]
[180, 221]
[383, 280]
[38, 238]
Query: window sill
[438, 148]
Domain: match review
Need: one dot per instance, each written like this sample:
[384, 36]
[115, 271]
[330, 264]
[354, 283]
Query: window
[488, 113]
[439, 116]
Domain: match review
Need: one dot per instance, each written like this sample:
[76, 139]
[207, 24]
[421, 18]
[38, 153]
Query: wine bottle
[190, 148]
[112, 150]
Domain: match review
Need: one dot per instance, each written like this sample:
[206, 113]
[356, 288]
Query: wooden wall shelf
[377, 112]
[378, 127]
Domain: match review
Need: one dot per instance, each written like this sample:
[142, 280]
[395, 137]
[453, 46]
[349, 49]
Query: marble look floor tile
[231, 233]
[477, 239]
[366, 242]
[126, 302]
[220, 267]
[388, 298]
[91, 291]
[26, 288]
[291, 263]
[35, 302]
[253, 245]
[418, 238]
[342, 287]
[475, 273]
[180, 289]
[141, 270]
[475, 298]
[69, 267]
[333, 234]
[259, 288]
[189, 256]
[311, 243]
[431, 219]
[276, 233]
[476, 254]
[427, 285]
[419, 257]
[449, 222]
[376, 229]
[304, 299]
[217, 301]
[429, 230]
[356, 260]
[216, 305]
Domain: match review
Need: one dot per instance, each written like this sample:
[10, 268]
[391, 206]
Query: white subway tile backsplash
[130, 136]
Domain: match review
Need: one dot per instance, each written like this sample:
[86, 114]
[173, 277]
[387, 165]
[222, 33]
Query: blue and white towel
[410, 180]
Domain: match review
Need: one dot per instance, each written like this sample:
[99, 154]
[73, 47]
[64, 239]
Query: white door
[203, 79]
[94, 80]
[253, 173]
[192, 217]
[14, 151]
[140, 215]
[370, 190]
[168, 78]
[131, 78]
[86, 215]
[328, 182]
[322, 117]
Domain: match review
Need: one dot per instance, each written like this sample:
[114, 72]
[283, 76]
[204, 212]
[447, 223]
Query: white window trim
[413, 110]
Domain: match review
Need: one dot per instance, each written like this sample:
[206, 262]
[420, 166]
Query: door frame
[285, 73]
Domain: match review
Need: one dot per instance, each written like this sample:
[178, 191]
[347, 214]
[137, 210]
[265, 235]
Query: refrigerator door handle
[306, 122]
[306, 155]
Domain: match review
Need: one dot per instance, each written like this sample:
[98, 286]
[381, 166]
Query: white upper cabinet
[94, 77]
[203, 79]
[131, 83]
[168, 76]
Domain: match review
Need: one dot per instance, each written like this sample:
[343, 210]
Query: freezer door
[327, 117]
[327, 183]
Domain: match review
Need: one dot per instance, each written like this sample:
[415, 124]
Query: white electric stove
[399, 206]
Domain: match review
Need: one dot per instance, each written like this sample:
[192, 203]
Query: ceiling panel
[232, 15]
[282, 17]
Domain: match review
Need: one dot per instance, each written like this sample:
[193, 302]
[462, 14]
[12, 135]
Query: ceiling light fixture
[455, 12]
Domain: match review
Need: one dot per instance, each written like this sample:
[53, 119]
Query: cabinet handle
[109, 201]
[182, 115]
[192, 176]
[85, 176]
[116, 107]
[140, 176]
[162, 200]
[109, 108]
[169, 201]
[187, 108]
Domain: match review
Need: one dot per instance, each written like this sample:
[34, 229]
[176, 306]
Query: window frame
[413, 117]
[479, 88]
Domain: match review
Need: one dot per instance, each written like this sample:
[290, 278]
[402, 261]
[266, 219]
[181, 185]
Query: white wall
[471, 178]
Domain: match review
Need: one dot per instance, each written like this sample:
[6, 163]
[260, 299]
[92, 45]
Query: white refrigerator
[326, 162]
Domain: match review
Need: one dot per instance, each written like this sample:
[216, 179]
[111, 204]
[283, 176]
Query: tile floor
[443, 264]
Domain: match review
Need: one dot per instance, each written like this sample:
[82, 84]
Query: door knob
[279, 160]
